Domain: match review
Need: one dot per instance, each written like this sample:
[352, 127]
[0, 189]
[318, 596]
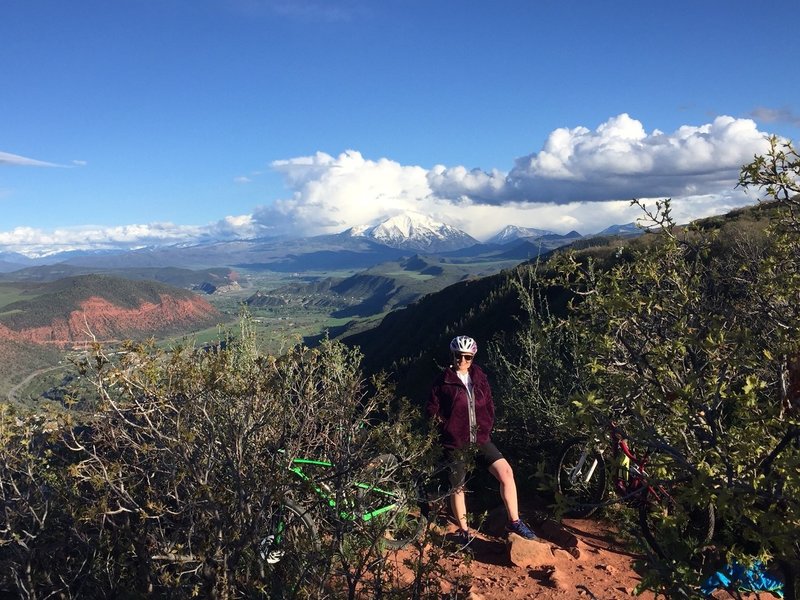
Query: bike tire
[583, 497]
[406, 522]
[300, 569]
[665, 523]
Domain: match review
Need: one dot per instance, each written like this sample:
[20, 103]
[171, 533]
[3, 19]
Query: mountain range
[514, 232]
[393, 238]
[415, 231]
[489, 308]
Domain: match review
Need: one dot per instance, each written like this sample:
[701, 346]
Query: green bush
[689, 337]
[170, 486]
[688, 343]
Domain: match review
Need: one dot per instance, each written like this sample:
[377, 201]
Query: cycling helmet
[463, 343]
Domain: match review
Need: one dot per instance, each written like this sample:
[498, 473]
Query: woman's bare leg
[508, 487]
[458, 504]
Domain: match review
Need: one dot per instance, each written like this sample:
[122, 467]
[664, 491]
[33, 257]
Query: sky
[143, 122]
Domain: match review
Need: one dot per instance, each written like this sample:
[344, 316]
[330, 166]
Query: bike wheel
[671, 526]
[581, 478]
[393, 503]
[292, 554]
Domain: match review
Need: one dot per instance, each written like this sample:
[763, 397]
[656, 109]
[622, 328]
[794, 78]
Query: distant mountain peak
[415, 231]
[514, 232]
[626, 229]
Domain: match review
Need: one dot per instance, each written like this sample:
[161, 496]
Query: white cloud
[234, 227]
[242, 179]
[33, 242]
[7, 158]
[334, 193]
[619, 160]
[581, 179]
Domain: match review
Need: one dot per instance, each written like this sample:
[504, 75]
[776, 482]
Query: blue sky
[155, 121]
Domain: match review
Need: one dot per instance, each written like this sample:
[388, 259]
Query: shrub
[171, 485]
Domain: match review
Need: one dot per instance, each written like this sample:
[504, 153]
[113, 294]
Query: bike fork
[577, 471]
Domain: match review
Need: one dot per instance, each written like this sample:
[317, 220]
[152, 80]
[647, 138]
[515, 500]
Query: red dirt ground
[584, 559]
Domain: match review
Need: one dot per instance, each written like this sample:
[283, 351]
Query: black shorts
[485, 456]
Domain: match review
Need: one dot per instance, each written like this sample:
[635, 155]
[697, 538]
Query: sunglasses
[466, 357]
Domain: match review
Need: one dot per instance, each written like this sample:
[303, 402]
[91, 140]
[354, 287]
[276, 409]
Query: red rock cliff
[99, 319]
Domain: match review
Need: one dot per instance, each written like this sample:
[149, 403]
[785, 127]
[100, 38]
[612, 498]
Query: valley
[296, 290]
[286, 309]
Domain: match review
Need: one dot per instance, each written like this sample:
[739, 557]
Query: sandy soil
[584, 559]
[579, 559]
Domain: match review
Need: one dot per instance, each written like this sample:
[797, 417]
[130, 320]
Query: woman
[461, 407]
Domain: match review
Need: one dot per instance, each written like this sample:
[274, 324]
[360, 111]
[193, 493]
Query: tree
[688, 338]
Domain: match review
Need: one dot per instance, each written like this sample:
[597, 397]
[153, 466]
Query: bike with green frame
[386, 505]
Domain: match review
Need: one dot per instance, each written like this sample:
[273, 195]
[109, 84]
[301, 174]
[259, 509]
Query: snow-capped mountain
[626, 229]
[415, 231]
[514, 232]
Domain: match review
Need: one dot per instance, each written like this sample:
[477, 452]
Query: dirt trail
[13, 393]
[578, 559]
[581, 559]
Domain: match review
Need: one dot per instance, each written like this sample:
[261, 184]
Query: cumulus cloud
[7, 158]
[617, 160]
[581, 179]
[333, 193]
[34, 242]
[234, 227]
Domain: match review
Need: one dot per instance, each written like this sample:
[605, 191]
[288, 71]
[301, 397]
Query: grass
[10, 293]
[20, 359]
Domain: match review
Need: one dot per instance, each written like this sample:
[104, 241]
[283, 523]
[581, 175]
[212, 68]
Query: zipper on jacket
[473, 422]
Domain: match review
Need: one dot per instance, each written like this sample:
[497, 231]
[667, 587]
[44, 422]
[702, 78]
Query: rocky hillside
[77, 309]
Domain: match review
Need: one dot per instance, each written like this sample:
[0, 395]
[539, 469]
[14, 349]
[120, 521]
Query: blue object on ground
[743, 579]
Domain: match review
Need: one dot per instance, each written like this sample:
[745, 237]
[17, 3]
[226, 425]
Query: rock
[528, 553]
[626, 591]
[610, 569]
[572, 552]
[555, 533]
[558, 581]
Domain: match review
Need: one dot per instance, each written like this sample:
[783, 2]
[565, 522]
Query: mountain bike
[291, 549]
[644, 482]
[385, 499]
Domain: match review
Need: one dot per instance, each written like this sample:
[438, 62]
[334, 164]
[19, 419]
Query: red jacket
[449, 408]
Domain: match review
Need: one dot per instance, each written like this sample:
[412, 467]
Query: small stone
[626, 591]
[610, 569]
[558, 581]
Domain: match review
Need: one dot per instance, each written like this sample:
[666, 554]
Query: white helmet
[463, 343]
